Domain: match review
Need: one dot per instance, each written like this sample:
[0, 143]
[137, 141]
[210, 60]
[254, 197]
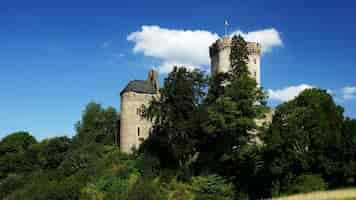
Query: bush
[307, 183]
[10, 184]
[180, 191]
[212, 187]
[147, 165]
[146, 190]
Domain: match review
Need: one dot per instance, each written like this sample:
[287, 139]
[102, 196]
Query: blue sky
[56, 56]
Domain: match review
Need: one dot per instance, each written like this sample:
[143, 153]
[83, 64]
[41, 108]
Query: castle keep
[134, 129]
[220, 57]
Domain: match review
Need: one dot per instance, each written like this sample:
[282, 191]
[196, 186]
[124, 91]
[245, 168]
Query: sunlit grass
[344, 194]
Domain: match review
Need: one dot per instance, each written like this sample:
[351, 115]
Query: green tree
[55, 151]
[239, 57]
[174, 114]
[233, 104]
[348, 158]
[13, 153]
[97, 125]
[304, 137]
[212, 187]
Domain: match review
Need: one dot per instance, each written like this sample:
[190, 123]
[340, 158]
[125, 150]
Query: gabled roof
[139, 86]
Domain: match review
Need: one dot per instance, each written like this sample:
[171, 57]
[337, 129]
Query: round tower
[134, 129]
[220, 57]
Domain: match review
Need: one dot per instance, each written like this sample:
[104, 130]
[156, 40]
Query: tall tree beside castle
[175, 114]
[232, 120]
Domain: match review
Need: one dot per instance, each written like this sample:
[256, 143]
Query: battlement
[225, 42]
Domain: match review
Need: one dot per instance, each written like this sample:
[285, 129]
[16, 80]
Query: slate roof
[139, 86]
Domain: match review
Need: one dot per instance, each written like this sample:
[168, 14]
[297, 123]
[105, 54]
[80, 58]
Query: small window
[255, 61]
[138, 131]
[138, 111]
[255, 74]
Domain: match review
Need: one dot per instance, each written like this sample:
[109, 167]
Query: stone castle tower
[133, 128]
[220, 57]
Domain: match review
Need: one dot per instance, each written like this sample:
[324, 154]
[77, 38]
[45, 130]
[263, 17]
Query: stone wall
[133, 128]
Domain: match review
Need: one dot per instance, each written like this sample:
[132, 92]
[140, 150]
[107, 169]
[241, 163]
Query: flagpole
[226, 25]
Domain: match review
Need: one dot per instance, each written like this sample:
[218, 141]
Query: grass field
[344, 194]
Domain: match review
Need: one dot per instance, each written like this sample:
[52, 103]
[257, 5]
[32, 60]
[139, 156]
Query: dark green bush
[146, 190]
[307, 183]
[212, 187]
[10, 184]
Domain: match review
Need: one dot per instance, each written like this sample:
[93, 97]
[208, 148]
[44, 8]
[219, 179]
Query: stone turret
[133, 128]
[220, 57]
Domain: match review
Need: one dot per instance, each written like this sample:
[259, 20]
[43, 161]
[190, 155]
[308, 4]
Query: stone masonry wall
[133, 128]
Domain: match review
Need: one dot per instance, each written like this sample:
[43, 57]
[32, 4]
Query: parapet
[225, 42]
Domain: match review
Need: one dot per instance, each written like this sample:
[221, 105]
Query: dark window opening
[138, 131]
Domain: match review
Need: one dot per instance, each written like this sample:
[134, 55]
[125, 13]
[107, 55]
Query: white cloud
[189, 46]
[185, 46]
[168, 66]
[268, 38]
[348, 93]
[288, 93]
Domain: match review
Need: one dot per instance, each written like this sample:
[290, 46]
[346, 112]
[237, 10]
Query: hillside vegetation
[200, 147]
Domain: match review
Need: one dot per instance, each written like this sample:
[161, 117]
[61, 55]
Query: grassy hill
[343, 194]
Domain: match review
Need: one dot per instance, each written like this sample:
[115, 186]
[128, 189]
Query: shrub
[10, 184]
[179, 191]
[212, 187]
[146, 190]
[307, 183]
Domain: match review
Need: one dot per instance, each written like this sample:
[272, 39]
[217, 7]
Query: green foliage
[305, 137]
[233, 104]
[307, 183]
[146, 190]
[180, 191]
[97, 125]
[54, 152]
[16, 142]
[239, 57]
[13, 157]
[212, 187]
[147, 165]
[175, 114]
[11, 183]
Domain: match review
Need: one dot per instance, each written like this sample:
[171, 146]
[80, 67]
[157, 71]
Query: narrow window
[138, 131]
[255, 61]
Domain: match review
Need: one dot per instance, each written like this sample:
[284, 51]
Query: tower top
[220, 52]
[225, 42]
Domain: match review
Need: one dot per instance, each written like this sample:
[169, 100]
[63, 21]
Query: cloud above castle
[190, 48]
[287, 93]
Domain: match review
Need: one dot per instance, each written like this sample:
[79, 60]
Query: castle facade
[134, 129]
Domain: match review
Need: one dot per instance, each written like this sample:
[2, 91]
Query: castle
[134, 129]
